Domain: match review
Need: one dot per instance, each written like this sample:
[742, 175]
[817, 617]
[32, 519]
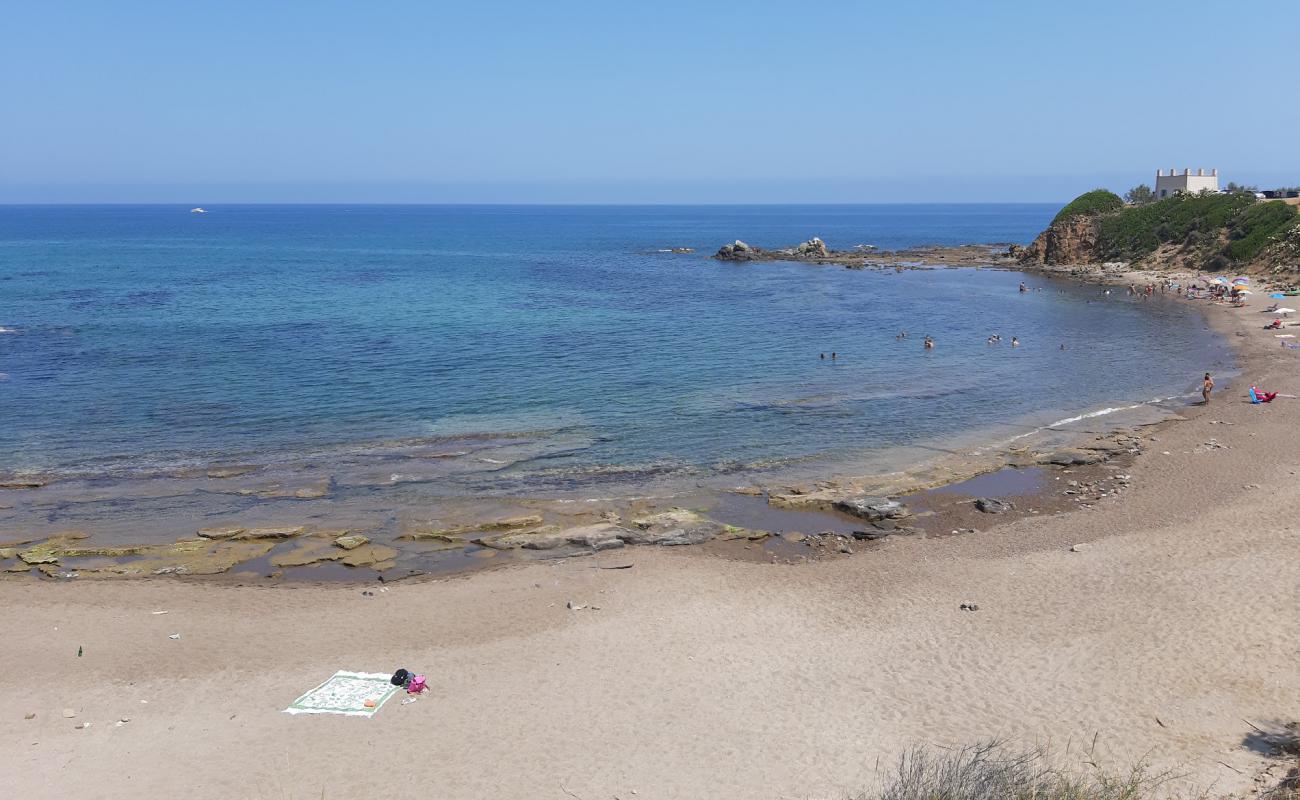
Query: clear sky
[658, 101]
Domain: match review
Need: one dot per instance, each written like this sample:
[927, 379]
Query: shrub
[1137, 231]
[1257, 226]
[1098, 201]
[992, 771]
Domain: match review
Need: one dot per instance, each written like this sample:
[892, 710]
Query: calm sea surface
[534, 349]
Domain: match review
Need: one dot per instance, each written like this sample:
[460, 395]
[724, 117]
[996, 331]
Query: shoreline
[298, 548]
[1159, 626]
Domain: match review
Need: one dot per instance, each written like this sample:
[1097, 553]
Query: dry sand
[701, 677]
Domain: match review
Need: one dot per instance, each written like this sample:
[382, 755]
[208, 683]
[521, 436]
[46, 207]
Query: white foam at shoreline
[1091, 415]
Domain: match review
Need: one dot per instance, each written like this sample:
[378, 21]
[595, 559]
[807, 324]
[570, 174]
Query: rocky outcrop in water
[811, 250]
[736, 251]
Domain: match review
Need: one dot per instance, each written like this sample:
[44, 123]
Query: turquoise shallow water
[533, 349]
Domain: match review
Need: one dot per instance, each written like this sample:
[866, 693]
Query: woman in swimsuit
[1206, 386]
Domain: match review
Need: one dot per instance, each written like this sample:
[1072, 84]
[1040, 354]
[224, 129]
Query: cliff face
[1068, 241]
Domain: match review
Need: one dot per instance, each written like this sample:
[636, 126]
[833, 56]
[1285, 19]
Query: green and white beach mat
[346, 693]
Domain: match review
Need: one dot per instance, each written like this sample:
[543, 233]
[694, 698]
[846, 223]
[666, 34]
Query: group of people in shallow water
[928, 342]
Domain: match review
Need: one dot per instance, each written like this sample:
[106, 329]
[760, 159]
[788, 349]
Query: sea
[408, 354]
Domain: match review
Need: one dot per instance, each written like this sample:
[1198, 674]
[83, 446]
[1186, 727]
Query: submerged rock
[308, 551]
[29, 483]
[230, 472]
[375, 556]
[990, 505]
[191, 557]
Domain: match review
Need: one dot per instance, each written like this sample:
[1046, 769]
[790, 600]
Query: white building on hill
[1176, 182]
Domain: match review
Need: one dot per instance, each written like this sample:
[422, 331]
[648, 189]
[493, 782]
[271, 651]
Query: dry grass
[995, 771]
[1286, 743]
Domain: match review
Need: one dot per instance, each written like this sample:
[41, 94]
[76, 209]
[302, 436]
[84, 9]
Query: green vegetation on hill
[1198, 222]
[1098, 201]
[1257, 227]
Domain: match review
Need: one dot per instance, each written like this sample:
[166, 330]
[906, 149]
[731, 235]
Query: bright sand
[699, 677]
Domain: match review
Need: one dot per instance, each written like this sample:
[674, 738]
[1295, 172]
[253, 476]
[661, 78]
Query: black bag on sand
[400, 677]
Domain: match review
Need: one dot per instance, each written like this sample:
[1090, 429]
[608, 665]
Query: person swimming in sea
[1023, 287]
[823, 356]
[929, 343]
[1015, 342]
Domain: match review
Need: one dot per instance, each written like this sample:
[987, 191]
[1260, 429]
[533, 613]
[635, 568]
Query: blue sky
[203, 102]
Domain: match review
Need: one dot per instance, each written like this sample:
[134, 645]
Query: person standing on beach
[1206, 386]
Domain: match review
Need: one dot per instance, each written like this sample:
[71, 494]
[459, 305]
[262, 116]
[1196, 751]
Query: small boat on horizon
[198, 211]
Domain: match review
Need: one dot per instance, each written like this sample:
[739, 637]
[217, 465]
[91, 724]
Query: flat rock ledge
[671, 528]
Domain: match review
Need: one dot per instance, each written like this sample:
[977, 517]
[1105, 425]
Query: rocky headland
[1205, 232]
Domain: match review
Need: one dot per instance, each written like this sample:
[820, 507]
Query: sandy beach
[1160, 625]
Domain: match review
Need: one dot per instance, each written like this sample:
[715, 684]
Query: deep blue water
[148, 336]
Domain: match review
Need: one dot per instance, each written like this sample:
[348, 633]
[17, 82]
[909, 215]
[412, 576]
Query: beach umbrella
[1217, 280]
[1241, 281]
[1244, 291]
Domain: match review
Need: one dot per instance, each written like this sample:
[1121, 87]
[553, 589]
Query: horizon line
[7, 203]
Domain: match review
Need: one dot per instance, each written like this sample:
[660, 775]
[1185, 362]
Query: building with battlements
[1176, 182]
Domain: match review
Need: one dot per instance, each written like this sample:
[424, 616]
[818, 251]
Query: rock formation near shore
[1068, 241]
[812, 249]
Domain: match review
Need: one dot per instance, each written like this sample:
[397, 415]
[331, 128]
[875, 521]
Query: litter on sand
[353, 694]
